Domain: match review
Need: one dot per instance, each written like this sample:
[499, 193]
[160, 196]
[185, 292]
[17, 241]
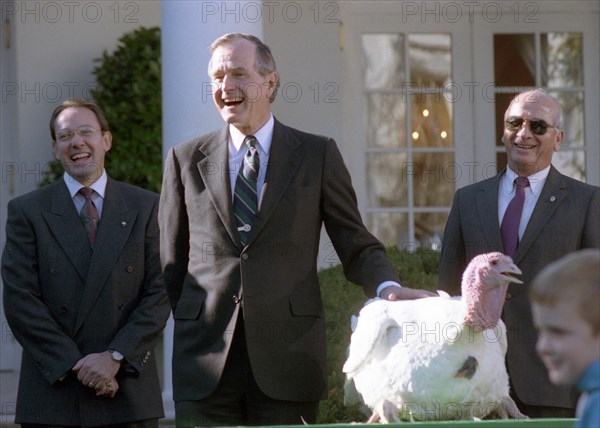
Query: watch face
[116, 355]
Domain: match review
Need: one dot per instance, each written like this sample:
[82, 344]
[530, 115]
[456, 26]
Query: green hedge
[129, 92]
[343, 299]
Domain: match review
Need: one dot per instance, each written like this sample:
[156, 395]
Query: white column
[187, 30]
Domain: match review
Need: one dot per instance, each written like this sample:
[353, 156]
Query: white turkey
[438, 358]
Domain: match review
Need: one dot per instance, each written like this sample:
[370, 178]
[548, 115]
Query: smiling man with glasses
[532, 133]
[536, 215]
[83, 288]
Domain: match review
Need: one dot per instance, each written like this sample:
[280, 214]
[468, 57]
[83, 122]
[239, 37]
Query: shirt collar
[73, 185]
[264, 136]
[536, 181]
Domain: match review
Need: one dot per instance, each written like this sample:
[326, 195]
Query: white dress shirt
[237, 151]
[532, 193]
[99, 187]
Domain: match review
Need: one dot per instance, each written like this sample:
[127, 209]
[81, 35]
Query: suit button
[53, 271]
[129, 269]
[64, 309]
[508, 296]
[244, 256]
[120, 306]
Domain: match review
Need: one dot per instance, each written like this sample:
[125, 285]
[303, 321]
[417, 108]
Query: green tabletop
[496, 423]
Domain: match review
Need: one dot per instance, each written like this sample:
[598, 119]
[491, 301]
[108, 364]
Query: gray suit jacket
[64, 301]
[566, 218]
[206, 267]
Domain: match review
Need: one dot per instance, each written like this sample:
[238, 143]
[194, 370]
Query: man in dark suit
[249, 343]
[86, 302]
[560, 215]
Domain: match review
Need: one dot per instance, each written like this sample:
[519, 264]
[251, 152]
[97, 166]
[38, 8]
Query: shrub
[129, 93]
[343, 299]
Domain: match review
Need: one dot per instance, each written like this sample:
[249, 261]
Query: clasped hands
[98, 371]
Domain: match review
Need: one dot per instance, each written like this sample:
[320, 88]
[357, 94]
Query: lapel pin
[123, 223]
[552, 198]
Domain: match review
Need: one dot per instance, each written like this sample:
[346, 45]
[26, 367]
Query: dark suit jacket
[566, 218]
[205, 265]
[64, 301]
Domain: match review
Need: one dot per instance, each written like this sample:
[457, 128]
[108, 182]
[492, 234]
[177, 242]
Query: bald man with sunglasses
[559, 215]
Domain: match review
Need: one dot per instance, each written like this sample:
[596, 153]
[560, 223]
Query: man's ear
[559, 139]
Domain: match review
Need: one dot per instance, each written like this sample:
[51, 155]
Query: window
[409, 136]
[554, 62]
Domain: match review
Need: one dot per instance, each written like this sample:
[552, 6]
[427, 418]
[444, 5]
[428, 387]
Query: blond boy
[565, 300]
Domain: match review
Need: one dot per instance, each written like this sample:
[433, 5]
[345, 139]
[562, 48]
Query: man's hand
[404, 293]
[107, 389]
[98, 371]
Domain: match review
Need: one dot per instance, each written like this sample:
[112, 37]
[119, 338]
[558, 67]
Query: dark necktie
[89, 214]
[245, 199]
[512, 218]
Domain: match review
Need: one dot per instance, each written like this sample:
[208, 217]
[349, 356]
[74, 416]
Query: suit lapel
[552, 195]
[114, 229]
[284, 161]
[67, 227]
[487, 207]
[214, 171]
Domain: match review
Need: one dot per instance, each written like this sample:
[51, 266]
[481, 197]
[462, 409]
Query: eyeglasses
[537, 126]
[68, 134]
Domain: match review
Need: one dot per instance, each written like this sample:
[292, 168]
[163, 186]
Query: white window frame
[387, 17]
[548, 17]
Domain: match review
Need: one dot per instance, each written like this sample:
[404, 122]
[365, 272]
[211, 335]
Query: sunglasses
[537, 126]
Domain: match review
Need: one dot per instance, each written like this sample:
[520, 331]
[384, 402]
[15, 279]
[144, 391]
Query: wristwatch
[116, 356]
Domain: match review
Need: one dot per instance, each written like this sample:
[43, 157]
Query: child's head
[565, 301]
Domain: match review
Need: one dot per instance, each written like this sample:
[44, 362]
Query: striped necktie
[245, 199]
[89, 214]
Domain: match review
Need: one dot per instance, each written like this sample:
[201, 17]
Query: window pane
[571, 163]
[429, 228]
[514, 60]
[430, 60]
[431, 118]
[387, 184]
[390, 228]
[434, 178]
[572, 106]
[501, 104]
[384, 61]
[386, 118]
[562, 59]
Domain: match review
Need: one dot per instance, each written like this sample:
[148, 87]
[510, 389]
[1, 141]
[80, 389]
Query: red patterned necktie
[89, 214]
[512, 218]
[245, 198]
